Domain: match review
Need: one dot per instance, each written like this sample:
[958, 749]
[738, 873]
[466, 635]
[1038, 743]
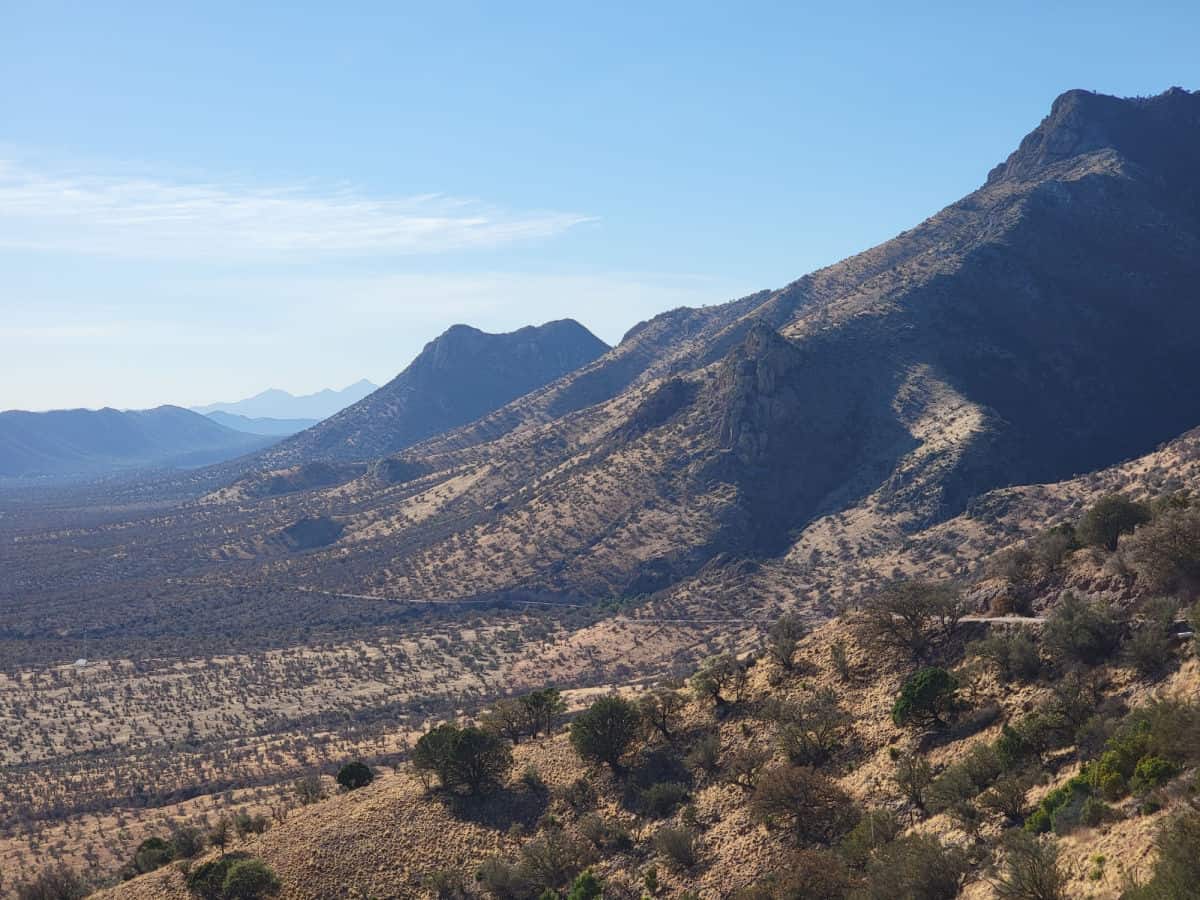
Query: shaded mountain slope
[82, 441]
[1046, 324]
[458, 377]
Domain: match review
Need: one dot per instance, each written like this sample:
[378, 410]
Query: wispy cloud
[148, 218]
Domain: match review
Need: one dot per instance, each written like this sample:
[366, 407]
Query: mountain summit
[459, 376]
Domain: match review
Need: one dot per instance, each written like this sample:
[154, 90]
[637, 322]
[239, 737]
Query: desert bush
[926, 697]
[1007, 797]
[805, 802]
[249, 879]
[1078, 631]
[840, 660]
[876, 828]
[721, 679]
[553, 859]
[783, 637]
[447, 884]
[1031, 870]
[354, 775]
[55, 882]
[705, 754]
[1012, 655]
[308, 789]
[1108, 518]
[508, 718]
[605, 834]
[811, 730]
[244, 823]
[911, 617]
[661, 800]
[503, 879]
[1165, 554]
[152, 853]
[1061, 810]
[744, 767]
[463, 758]
[919, 866]
[1152, 772]
[606, 731]
[207, 881]
[1177, 870]
[1149, 648]
[187, 842]
[679, 845]
[812, 874]
[587, 886]
[913, 776]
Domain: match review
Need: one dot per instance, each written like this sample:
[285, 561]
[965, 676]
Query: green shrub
[926, 698]
[1061, 809]
[606, 730]
[207, 881]
[705, 754]
[354, 775]
[721, 679]
[54, 882]
[1165, 555]
[876, 828]
[553, 859]
[586, 887]
[468, 758]
[1152, 772]
[1082, 632]
[678, 845]
[1013, 656]
[1109, 518]
[249, 879]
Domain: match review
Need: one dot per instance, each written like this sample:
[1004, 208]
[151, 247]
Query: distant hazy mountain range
[277, 404]
[261, 424]
[70, 442]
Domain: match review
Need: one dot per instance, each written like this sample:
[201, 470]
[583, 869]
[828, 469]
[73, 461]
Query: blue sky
[199, 201]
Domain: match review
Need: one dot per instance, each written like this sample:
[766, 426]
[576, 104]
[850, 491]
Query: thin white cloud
[146, 218]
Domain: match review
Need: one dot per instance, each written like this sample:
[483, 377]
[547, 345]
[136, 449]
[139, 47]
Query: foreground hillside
[792, 779]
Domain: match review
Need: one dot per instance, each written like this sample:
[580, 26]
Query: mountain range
[1016, 336]
[279, 404]
[89, 442]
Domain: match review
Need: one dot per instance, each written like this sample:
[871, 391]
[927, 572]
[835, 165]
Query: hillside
[88, 442]
[1015, 337]
[461, 375]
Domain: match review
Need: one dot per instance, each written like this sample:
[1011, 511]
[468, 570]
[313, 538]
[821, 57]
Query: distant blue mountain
[261, 424]
[277, 404]
[72, 442]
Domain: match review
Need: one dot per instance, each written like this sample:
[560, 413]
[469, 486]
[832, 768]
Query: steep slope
[277, 404]
[458, 377]
[82, 441]
[1044, 325]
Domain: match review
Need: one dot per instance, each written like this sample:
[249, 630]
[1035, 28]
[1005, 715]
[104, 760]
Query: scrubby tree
[811, 730]
[1081, 631]
[1110, 517]
[783, 637]
[1012, 654]
[1031, 870]
[911, 617]
[606, 730]
[917, 866]
[802, 800]
[1177, 871]
[354, 775]
[913, 776]
[721, 679]
[543, 710]
[470, 759]
[661, 710]
[508, 718]
[55, 882]
[1165, 555]
[249, 879]
[927, 696]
